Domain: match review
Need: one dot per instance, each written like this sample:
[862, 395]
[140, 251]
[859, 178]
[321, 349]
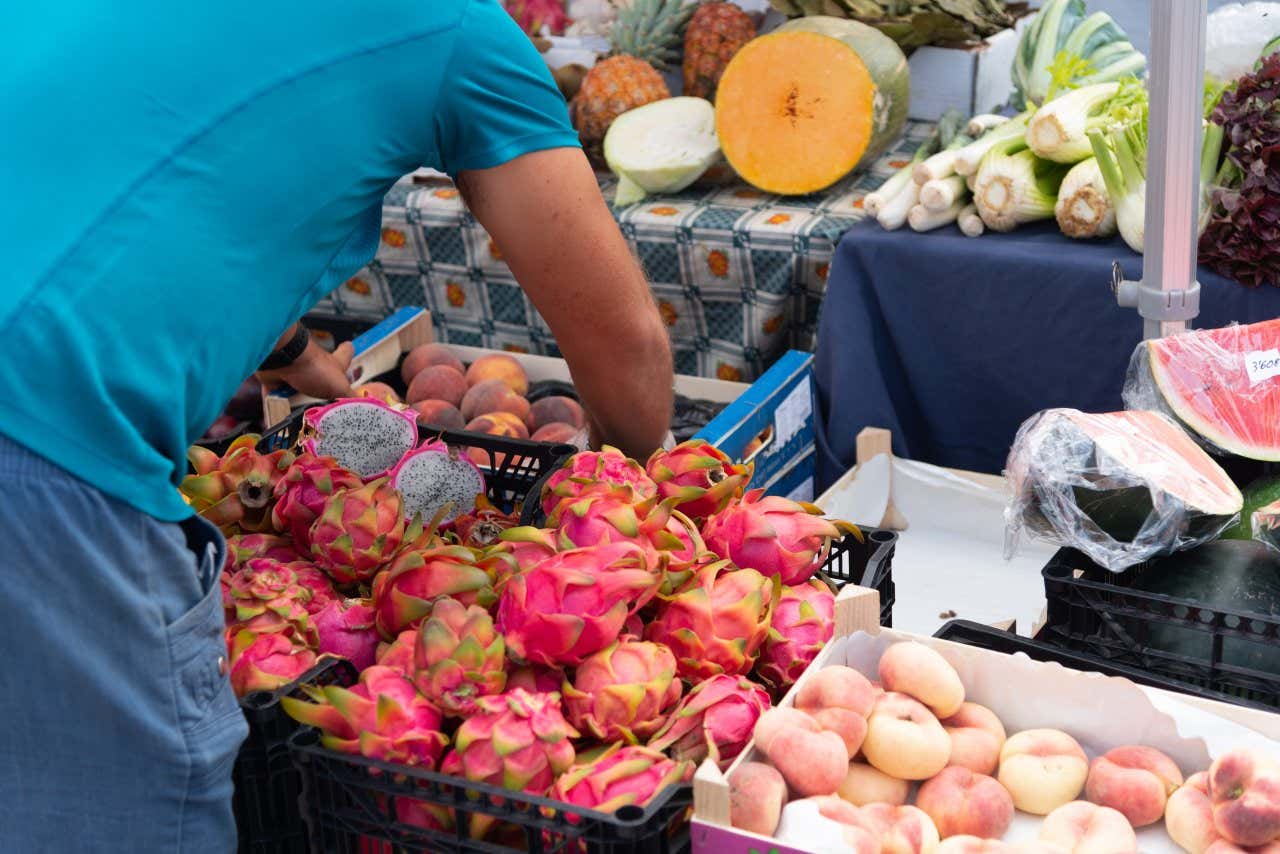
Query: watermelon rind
[1264, 524]
[1200, 377]
[1122, 487]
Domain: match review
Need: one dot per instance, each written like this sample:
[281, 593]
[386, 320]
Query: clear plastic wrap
[1266, 525]
[1222, 384]
[1122, 487]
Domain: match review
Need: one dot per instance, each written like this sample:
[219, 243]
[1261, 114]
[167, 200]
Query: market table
[738, 274]
[951, 342]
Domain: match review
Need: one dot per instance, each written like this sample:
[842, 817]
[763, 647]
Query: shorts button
[222, 665]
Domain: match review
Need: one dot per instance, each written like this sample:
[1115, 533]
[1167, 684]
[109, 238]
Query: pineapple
[716, 32]
[646, 38]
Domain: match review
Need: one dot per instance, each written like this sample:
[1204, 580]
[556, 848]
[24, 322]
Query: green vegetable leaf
[1064, 72]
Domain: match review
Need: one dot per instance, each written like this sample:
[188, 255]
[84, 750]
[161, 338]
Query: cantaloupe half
[800, 108]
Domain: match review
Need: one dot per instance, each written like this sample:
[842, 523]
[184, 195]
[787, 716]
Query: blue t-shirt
[178, 183]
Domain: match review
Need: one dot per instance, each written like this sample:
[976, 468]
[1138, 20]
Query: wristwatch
[289, 353]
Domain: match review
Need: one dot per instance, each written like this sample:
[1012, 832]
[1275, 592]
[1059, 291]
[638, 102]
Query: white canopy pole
[1169, 294]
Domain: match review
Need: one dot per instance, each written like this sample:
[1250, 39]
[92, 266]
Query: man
[179, 184]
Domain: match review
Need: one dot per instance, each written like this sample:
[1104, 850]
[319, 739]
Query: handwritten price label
[1262, 365]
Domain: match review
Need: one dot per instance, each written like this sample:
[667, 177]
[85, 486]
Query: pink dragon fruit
[680, 549]
[606, 513]
[399, 653]
[358, 531]
[535, 678]
[773, 535]
[437, 482]
[517, 740]
[303, 491]
[698, 477]
[365, 435]
[619, 777]
[243, 547]
[717, 622]
[321, 586]
[803, 622]
[574, 603]
[266, 596]
[459, 657]
[382, 717]
[534, 15]
[715, 719]
[346, 629]
[265, 662]
[483, 526]
[404, 593]
[234, 491]
[624, 691]
[588, 468]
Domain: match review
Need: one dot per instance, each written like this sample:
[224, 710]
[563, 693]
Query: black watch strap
[289, 353]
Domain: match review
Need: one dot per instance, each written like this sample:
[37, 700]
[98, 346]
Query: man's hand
[545, 212]
[317, 372]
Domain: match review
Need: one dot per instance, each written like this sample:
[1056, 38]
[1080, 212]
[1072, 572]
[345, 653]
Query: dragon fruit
[243, 547]
[267, 661]
[266, 596]
[773, 535]
[605, 513]
[619, 777]
[399, 653]
[698, 476]
[624, 691]
[574, 603]
[588, 468]
[345, 628]
[381, 717]
[717, 622]
[300, 495]
[321, 586]
[535, 15]
[535, 678]
[716, 719]
[680, 547]
[802, 623]
[234, 490]
[459, 657]
[404, 593]
[483, 526]
[517, 740]
[437, 482]
[363, 434]
[358, 531]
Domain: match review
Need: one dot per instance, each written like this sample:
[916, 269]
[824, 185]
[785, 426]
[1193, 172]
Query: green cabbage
[661, 147]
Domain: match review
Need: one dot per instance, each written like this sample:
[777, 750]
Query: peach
[1085, 828]
[976, 738]
[437, 382]
[856, 838]
[1244, 789]
[1188, 815]
[498, 424]
[378, 391]
[497, 366]
[493, 396]
[1135, 781]
[556, 433]
[864, 785]
[901, 829]
[556, 410]
[757, 794]
[440, 413]
[1222, 846]
[774, 720]
[904, 739]
[850, 726]
[1043, 769]
[836, 687]
[426, 355]
[974, 845]
[922, 673]
[962, 803]
[812, 763]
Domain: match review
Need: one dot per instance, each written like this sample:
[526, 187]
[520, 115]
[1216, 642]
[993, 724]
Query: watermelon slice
[1223, 384]
[1265, 522]
[1122, 487]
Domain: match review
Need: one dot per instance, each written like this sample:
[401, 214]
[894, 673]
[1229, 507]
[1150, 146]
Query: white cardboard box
[973, 80]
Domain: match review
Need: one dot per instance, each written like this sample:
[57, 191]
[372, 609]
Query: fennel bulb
[1084, 208]
[1058, 129]
[1013, 186]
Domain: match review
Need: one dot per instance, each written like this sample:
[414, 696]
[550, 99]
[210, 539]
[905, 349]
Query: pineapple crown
[652, 30]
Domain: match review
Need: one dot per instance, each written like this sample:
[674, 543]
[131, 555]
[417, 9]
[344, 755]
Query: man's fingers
[344, 353]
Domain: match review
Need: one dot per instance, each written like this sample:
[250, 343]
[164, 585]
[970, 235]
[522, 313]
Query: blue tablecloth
[951, 342]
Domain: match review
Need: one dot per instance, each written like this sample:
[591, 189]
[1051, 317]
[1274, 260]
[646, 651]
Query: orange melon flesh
[794, 112]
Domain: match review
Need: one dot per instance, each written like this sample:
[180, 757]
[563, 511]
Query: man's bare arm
[545, 212]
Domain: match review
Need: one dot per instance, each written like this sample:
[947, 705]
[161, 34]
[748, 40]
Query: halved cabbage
[661, 147]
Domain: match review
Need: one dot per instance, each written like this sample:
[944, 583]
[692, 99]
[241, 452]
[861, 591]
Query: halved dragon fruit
[363, 434]
[436, 479]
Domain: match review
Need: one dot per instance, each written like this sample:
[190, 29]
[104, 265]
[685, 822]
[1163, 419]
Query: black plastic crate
[349, 808]
[1098, 612]
[267, 785]
[867, 564]
[970, 633]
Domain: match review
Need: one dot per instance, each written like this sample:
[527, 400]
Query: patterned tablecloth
[739, 274]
